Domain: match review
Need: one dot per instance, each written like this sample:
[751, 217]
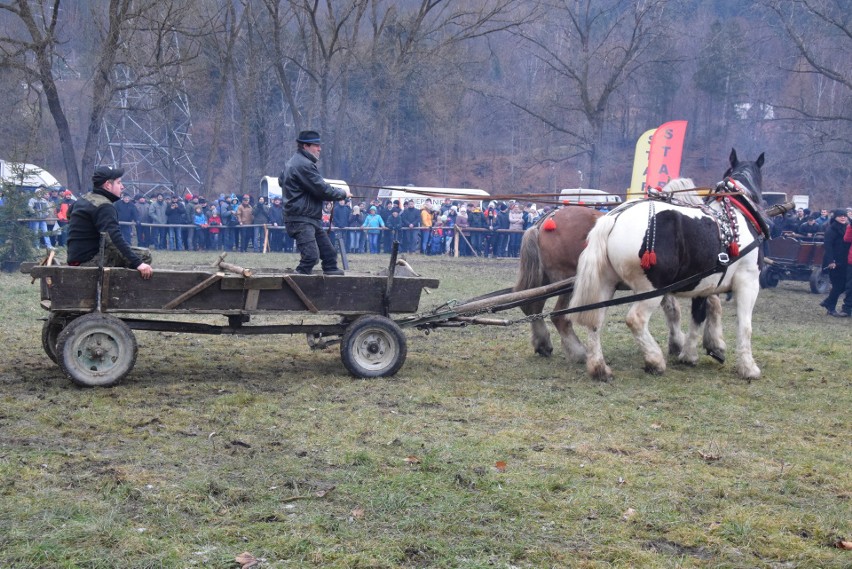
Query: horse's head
[748, 174]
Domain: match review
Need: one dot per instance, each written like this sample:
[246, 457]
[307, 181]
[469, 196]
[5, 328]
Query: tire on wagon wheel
[819, 281]
[54, 324]
[769, 277]
[373, 346]
[96, 350]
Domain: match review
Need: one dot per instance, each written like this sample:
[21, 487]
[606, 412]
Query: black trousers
[837, 276]
[313, 245]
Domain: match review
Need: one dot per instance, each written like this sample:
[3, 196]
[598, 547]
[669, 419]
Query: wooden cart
[94, 311]
[789, 257]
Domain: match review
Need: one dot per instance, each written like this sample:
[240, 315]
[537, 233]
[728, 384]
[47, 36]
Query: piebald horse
[549, 253]
[653, 244]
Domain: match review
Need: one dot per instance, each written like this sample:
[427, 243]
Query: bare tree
[590, 49]
[128, 32]
[815, 105]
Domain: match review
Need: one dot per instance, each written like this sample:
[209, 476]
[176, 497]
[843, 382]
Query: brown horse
[548, 256]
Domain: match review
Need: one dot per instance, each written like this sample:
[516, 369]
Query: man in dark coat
[276, 220]
[94, 214]
[340, 218]
[410, 221]
[835, 259]
[304, 193]
[126, 211]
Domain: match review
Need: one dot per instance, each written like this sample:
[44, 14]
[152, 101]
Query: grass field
[477, 454]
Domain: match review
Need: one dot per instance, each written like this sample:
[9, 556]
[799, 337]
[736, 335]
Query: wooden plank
[301, 294]
[174, 303]
[256, 283]
[105, 288]
[252, 297]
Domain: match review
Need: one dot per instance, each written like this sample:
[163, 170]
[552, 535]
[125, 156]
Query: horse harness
[725, 218]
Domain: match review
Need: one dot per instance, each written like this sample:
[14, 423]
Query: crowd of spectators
[485, 229]
[802, 223]
[231, 223]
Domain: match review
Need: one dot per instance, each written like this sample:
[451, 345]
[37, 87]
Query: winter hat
[105, 173]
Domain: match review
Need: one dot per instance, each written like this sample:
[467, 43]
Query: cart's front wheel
[769, 277]
[373, 346]
[819, 281]
[96, 350]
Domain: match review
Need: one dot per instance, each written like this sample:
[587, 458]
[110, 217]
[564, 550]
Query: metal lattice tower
[147, 132]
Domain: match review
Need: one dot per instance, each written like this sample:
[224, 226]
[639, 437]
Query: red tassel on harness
[649, 259]
[549, 224]
[734, 249]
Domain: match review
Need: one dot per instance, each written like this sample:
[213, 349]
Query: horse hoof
[654, 370]
[718, 355]
[544, 351]
[601, 373]
[688, 363]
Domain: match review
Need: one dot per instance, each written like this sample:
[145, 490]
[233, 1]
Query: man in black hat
[304, 193]
[93, 214]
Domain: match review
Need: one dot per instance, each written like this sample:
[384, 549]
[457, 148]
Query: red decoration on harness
[549, 224]
[734, 249]
[649, 259]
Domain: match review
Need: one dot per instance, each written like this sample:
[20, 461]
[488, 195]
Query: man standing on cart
[304, 193]
[93, 214]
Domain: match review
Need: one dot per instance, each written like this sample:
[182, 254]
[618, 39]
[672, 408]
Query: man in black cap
[304, 193]
[93, 214]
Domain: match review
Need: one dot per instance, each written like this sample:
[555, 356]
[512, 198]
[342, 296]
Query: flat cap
[104, 173]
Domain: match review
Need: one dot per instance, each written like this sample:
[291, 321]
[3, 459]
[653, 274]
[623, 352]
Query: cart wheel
[96, 350]
[50, 333]
[373, 346]
[820, 283]
[54, 324]
[769, 277]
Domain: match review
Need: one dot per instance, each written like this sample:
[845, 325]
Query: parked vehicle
[790, 257]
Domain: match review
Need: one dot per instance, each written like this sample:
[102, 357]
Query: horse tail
[531, 273]
[592, 267]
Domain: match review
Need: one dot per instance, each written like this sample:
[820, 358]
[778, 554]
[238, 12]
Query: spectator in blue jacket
[374, 224]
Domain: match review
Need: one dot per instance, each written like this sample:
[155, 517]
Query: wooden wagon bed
[93, 312]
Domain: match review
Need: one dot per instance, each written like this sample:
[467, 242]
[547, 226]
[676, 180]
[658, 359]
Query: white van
[270, 189]
[586, 196]
[421, 194]
[27, 176]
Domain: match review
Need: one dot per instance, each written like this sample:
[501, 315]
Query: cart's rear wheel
[96, 350]
[769, 277]
[820, 283]
[50, 333]
[54, 324]
[373, 346]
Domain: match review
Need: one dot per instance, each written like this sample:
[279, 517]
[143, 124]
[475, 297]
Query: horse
[688, 251]
[549, 254]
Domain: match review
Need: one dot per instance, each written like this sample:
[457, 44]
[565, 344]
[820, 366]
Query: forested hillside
[505, 95]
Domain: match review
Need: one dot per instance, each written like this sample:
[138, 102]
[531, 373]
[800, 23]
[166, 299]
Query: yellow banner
[640, 165]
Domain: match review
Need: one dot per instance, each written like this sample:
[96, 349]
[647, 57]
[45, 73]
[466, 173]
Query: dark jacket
[276, 215]
[91, 215]
[340, 215]
[176, 215]
[836, 250]
[410, 216]
[126, 211]
[305, 190]
[261, 214]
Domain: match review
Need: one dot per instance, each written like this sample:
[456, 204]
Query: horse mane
[684, 190]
